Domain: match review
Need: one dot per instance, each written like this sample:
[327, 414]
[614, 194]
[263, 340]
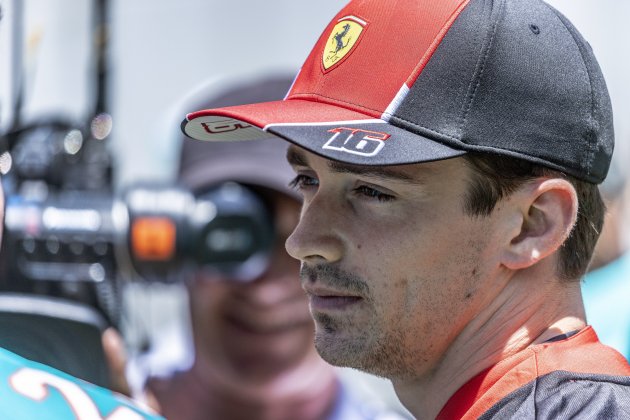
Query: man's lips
[324, 299]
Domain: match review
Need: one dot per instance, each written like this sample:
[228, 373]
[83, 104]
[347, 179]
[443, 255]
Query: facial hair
[342, 341]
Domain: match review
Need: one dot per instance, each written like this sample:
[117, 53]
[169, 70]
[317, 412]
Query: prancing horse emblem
[339, 38]
[342, 40]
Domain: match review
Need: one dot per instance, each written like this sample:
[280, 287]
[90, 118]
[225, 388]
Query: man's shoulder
[547, 376]
[33, 390]
[576, 378]
[563, 394]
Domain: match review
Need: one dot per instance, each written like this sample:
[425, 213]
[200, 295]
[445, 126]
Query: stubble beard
[371, 346]
[371, 349]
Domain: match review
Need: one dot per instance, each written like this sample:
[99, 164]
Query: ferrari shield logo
[342, 40]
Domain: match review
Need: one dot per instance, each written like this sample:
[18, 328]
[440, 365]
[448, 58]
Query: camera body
[70, 242]
[66, 234]
[167, 230]
[149, 232]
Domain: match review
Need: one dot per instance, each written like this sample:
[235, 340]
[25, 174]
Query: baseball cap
[411, 81]
[259, 163]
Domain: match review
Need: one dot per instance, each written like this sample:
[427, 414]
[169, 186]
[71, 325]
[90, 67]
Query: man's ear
[548, 211]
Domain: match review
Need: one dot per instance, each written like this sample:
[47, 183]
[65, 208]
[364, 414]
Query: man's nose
[316, 238]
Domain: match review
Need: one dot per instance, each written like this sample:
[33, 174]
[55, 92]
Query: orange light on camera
[153, 238]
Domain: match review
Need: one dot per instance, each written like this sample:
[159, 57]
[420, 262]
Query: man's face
[392, 266]
[255, 329]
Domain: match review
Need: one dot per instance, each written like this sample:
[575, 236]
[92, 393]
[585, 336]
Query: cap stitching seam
[430, 130]
[336, 101]
[479, 70]
[589, 152]
[394, 117]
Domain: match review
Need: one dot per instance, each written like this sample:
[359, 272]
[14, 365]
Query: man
[448, 155]
[252, 342]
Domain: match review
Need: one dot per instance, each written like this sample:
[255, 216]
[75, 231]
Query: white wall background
[160, 51]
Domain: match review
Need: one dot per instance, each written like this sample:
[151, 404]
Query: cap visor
[327, 130]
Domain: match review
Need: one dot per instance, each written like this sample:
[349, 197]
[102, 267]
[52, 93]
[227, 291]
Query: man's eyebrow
[297, 158]
[380, 172]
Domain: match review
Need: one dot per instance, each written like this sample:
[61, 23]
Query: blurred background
[136, 63]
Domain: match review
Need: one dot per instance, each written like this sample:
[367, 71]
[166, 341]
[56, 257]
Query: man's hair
[496, 177]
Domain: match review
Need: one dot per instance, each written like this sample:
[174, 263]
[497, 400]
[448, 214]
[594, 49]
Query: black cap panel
[515, 78]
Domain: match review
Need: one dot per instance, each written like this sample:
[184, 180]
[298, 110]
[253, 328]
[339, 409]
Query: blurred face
[259, 328]
[392, 266]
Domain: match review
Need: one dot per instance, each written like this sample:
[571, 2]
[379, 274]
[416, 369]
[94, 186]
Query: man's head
[441, 147]
[397, 263]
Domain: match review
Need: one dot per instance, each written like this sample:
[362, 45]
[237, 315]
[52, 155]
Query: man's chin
[334, 353]
[338, 347]
[355, 349]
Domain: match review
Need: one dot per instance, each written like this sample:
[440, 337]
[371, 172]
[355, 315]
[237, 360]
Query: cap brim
[327, 130]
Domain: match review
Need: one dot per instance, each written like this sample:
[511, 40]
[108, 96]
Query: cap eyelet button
[534, 28]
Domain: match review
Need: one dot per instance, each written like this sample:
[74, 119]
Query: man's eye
[303, 181]
[372, 193]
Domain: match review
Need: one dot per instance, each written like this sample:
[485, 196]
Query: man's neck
[516, 319]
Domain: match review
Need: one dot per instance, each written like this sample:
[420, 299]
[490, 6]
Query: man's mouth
[326, 300]
[329, 288]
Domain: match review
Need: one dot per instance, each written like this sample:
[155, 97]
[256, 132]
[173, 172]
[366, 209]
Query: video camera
[64, 225]
[69, 238]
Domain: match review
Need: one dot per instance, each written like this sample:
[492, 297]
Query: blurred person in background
[252, 343]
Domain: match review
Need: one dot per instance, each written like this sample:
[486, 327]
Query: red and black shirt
[577, 377]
